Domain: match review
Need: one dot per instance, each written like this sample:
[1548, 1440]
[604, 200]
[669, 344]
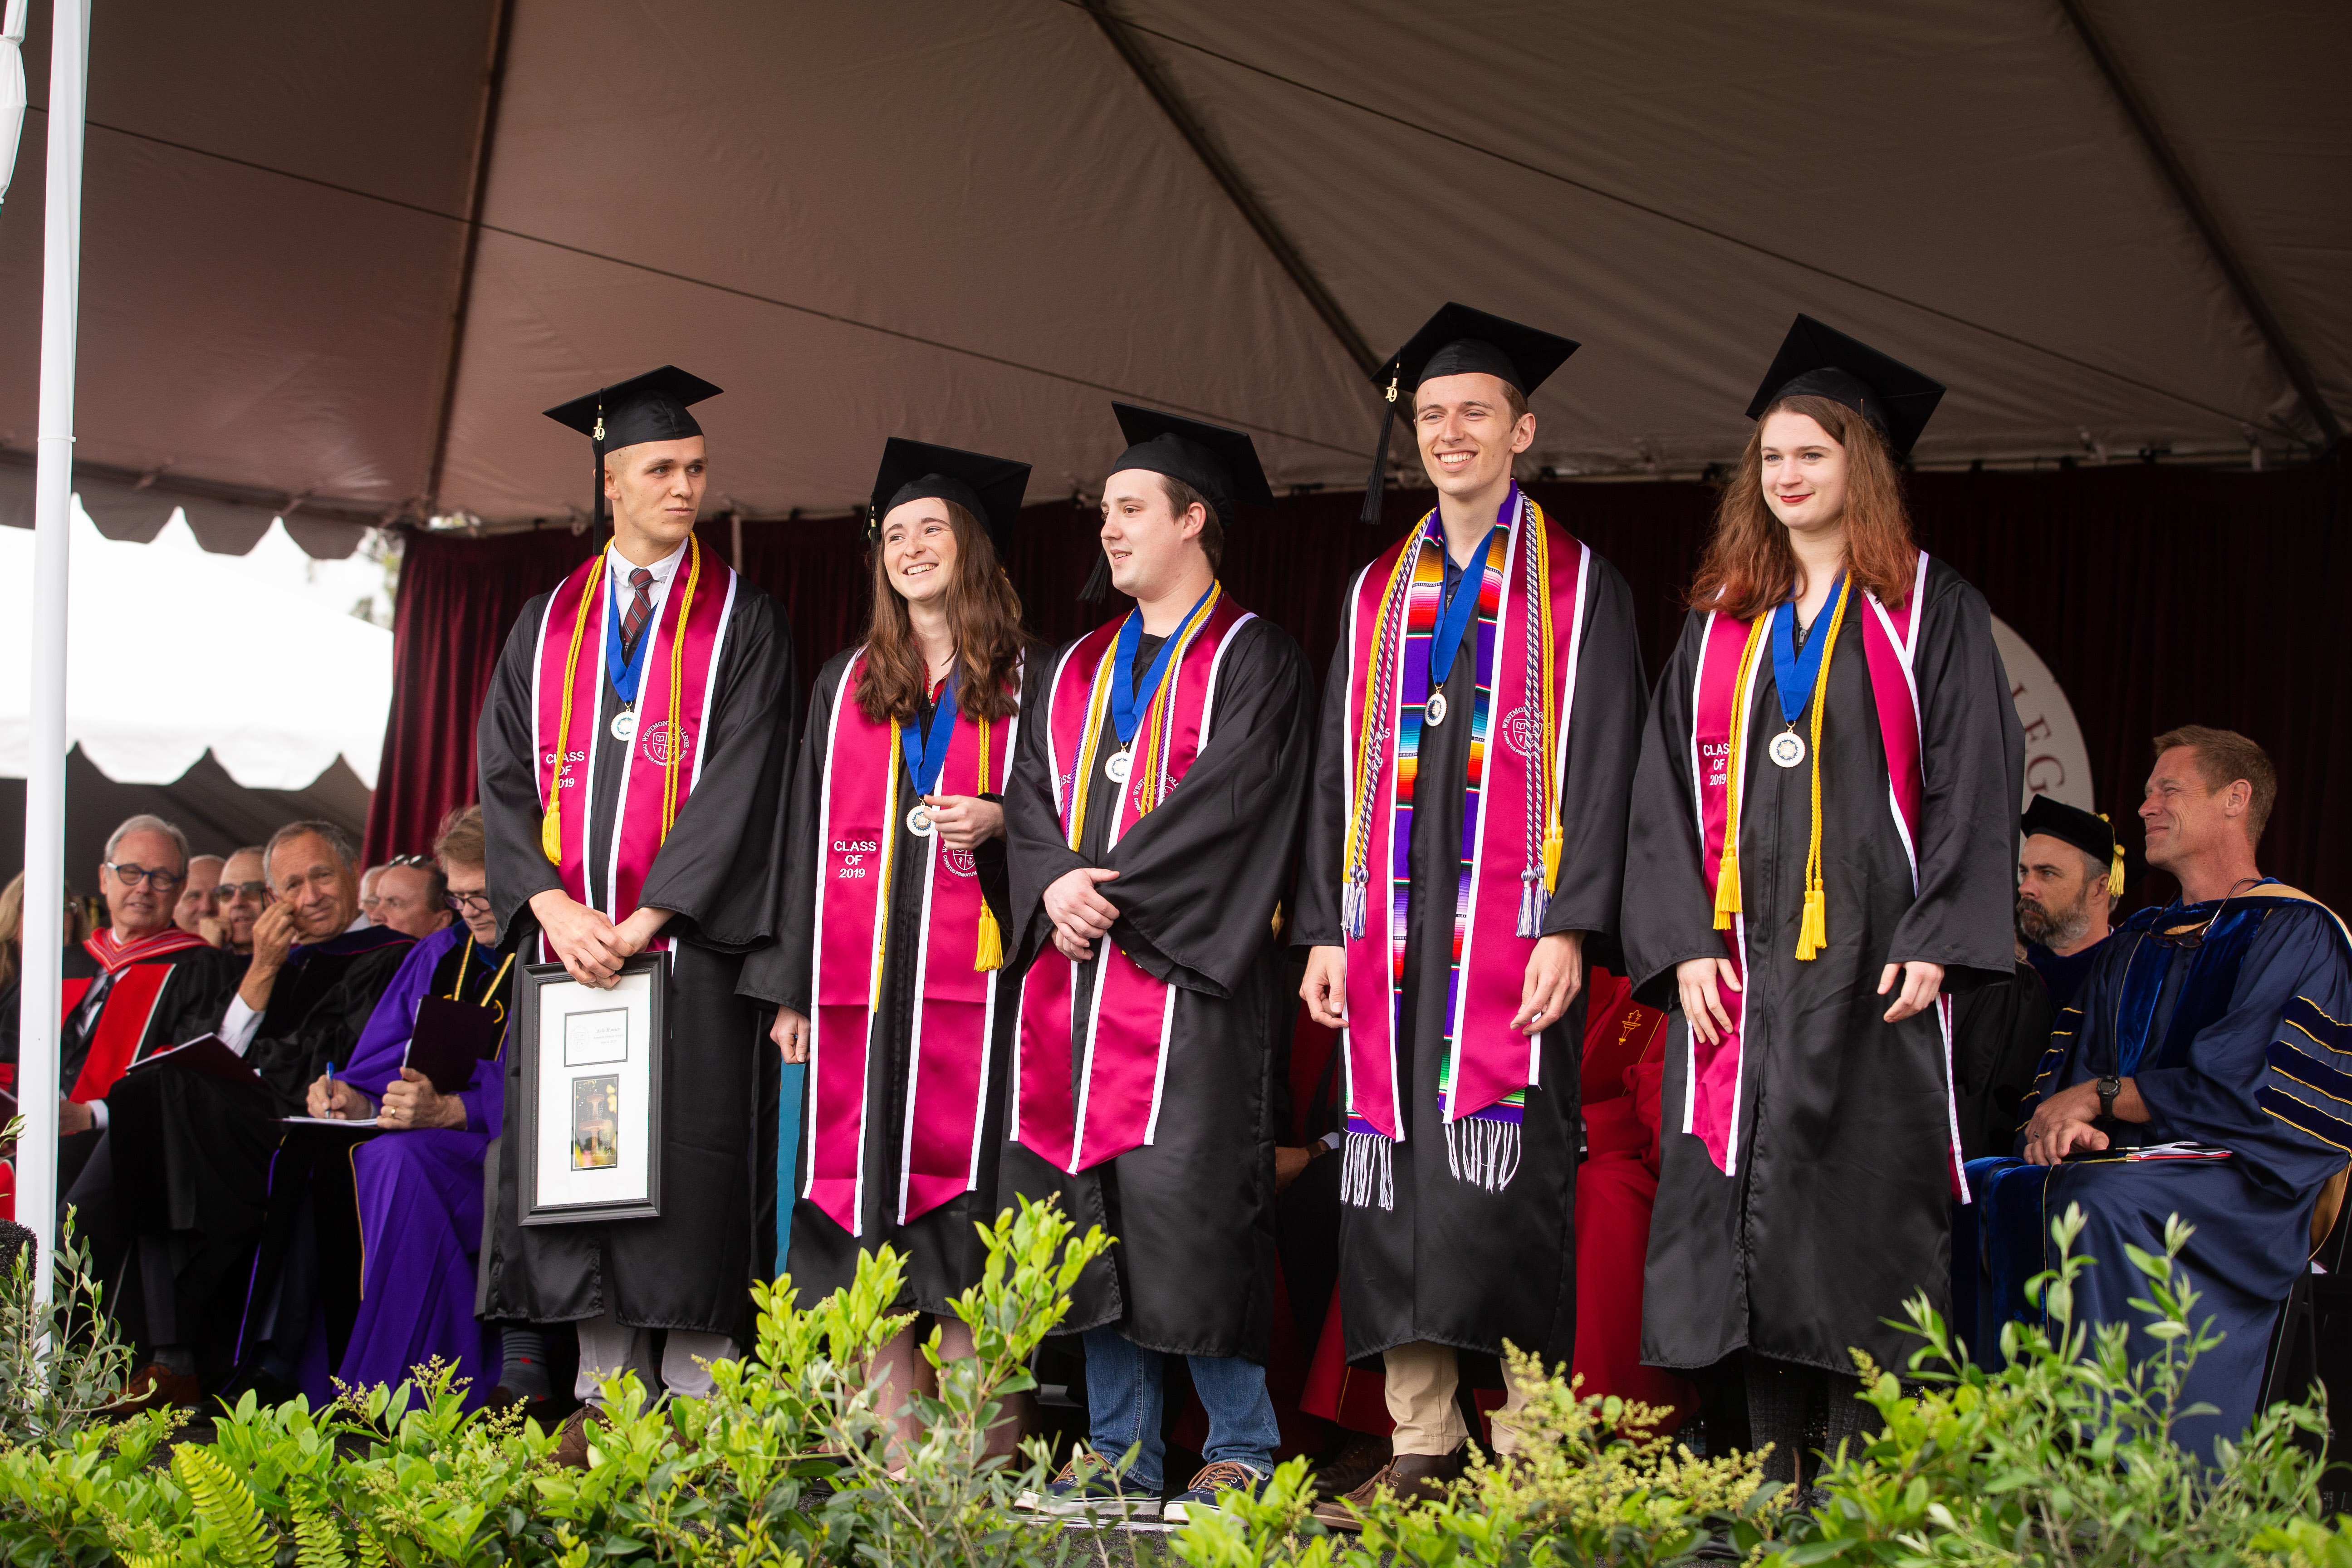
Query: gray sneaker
[1088, 1487]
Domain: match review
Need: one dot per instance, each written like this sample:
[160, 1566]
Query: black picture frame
[531, 1006]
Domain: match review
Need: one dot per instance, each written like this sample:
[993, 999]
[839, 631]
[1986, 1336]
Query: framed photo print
[591, 1093]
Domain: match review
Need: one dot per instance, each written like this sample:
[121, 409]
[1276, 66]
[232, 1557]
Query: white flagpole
[45, 785]
[12, 86]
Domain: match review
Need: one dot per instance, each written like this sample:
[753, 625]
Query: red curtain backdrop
[2158, 597]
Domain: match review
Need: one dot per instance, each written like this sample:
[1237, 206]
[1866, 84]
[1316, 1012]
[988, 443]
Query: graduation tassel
[2114, 871]
[989, 953]
[1552, 858]
[1812, 929]
[1727, 884]
[1374, 485]
[1098, 581]
[1351, 903]
[1531, 898]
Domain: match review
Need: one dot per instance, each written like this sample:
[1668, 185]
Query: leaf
[224, 1502]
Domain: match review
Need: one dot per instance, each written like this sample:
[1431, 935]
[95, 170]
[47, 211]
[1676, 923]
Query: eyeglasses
[468, 903]
[130, 876]
[258, 891]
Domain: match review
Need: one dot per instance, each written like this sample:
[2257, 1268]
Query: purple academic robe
[420, 1194]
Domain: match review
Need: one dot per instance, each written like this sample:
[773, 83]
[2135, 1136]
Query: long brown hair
[1749, 566]
[983, 614]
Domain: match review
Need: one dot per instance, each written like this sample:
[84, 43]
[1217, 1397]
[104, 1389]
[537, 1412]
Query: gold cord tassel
[989, 953]
[1814, 926]
[1727, 886]
[1551, 860]
[2114, 871]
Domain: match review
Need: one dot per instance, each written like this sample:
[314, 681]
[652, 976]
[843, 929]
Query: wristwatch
[2109, 1087]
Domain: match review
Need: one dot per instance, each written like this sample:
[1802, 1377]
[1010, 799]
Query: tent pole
[12, 85]
[45, 785]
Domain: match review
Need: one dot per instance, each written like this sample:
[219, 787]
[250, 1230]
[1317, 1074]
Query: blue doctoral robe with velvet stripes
[2242, 1042]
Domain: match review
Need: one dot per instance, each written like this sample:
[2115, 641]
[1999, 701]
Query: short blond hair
[2223, 757]
[461, 837]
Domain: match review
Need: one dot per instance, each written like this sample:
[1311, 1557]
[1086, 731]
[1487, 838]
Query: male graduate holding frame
[1152, 814]
[633, 752]
[1465, 834]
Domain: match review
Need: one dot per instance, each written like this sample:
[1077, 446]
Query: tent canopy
[338, 263]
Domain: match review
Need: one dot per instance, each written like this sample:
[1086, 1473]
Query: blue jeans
[1124, 1407]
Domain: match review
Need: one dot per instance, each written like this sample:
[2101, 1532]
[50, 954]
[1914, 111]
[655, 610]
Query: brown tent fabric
[976, 222]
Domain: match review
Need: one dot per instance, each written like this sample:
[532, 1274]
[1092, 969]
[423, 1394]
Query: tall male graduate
[1153, 812]
[1466, 835]
[633, 754]
[2204, 1070]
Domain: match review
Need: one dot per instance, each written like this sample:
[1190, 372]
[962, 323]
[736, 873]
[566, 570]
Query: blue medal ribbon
[924, 763]
[1792, 673]
[625, 672]
[1446, 641]
[1126, 707]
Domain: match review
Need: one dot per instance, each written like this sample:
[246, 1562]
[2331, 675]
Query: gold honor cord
[1151, 761]
[2115, 869]
[677, 679]
[882, 893]
[1812, 930]
[1548, 784]
[551, 826]
[1727, 867]
[990, 951]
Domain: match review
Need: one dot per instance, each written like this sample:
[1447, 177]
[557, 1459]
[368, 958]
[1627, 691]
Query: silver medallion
[624, 725]
[1434, 711]
[919, 823]
[1119, 765]
[1788, 749]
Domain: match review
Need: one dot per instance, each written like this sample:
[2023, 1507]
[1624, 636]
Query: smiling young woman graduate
[888, 972]
[1152, 814]
[1466, 832]
[633, 752]
[1823, 834]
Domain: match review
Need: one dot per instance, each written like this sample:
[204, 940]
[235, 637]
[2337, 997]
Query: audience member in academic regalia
[663, 684]
[1447, 889]
[191, 1155]
[2069, 875]
[2201, 1071]
[888, 971]
[1822, 854]
[131, 989]
[243, 894]
[419, 1182]
[1152, 815]
[412, 896]
[195, 905]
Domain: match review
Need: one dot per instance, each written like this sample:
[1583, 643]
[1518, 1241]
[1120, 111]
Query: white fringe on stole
[1367, 1172]
[1483, 1151]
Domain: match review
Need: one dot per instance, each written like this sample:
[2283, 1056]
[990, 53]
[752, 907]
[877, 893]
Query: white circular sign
[2057, 763]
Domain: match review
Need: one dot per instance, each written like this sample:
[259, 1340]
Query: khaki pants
[1421, 1378]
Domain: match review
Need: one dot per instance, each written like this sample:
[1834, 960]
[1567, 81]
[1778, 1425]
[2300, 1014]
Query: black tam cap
[1221, 464]
[1817, 361]
[2092, 834]
[989, 488]
[648, 408]
[1459, 341]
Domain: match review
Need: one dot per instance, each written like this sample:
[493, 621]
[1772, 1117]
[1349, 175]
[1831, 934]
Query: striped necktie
[641, 609]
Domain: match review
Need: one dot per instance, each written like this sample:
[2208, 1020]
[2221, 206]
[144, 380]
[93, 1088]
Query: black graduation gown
[320, 1003]
[1452, 1263]
[188, 1003]
[1839, 1210]
[692, 1268]
[1999, 1033]
[943, 1253]
[1200, 879]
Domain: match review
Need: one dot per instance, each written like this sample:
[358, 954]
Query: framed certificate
[591, 1093]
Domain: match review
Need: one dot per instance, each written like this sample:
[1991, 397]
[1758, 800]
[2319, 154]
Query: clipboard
[209, 1054]
[451, 1039]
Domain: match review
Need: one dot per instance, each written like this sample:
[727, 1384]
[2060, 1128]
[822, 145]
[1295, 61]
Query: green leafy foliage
[2065, 1457]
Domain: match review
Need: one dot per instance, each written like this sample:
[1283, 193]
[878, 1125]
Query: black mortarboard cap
[989, 488]
[1221, 464]
[2092, 834]
[1458, 340]
[1819, 361]
[648, 408]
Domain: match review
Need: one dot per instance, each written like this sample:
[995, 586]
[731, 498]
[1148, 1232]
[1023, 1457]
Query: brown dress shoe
[1364, 1456]
[1413, 1477]
[157, 1387]
[572, 1437]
